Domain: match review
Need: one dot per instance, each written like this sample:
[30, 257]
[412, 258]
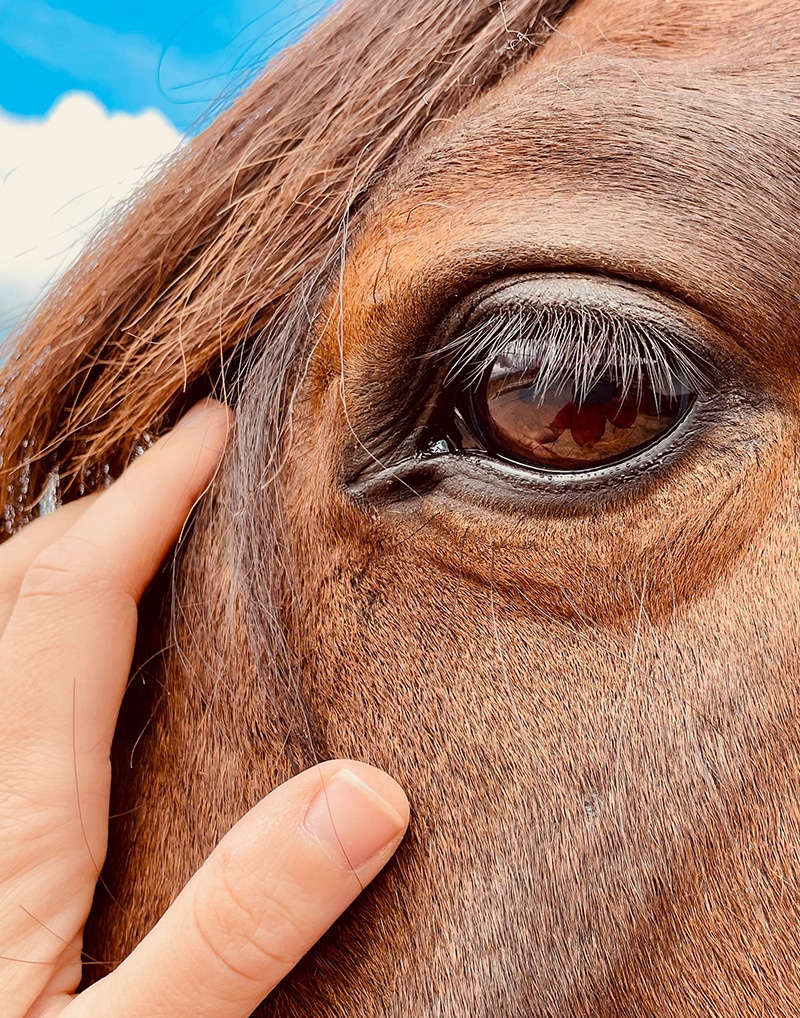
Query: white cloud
[58, 175]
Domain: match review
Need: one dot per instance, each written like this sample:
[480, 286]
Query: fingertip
[203, 411]
[209, 420]
[270, 889]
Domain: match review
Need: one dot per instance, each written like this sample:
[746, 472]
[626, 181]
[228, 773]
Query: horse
[505, 295]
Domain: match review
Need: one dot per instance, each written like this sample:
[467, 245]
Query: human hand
[69, 587]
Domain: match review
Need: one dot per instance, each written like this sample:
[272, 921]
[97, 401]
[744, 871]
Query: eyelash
[576, 345]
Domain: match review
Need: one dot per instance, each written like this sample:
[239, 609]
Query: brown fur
[592, 699]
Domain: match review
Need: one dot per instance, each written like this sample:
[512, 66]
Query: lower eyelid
[470, 472]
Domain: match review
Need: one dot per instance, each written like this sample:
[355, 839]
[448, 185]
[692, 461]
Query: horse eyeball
[568, 426]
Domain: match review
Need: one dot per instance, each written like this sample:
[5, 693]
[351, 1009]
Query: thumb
[269, 890]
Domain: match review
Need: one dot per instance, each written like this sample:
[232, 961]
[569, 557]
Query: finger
[147, 506]
[19, 553]
[64, 661]
[273, 885]
[72, 628]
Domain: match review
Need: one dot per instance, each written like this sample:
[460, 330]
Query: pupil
[564, 428]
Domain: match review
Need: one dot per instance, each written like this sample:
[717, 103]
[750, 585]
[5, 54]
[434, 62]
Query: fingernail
[351, 820]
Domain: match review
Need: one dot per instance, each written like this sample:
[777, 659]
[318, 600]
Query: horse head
[504, 297]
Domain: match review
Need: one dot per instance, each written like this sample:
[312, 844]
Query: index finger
[65, 656]
[145, 508]
[74, 620]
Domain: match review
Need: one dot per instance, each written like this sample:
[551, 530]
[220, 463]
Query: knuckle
[65, 569]
[251, 937]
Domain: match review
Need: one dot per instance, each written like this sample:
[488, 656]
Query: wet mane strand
[200, 274]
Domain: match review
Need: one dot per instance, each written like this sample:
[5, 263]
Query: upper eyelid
[566, 343]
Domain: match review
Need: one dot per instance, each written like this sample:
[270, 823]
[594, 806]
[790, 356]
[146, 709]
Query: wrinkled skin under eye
[561, 427]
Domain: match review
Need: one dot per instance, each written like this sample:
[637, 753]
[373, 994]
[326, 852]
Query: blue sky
[95, 92]
[173, 55]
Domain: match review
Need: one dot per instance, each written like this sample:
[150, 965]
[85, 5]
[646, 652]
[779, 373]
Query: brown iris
[565, 426]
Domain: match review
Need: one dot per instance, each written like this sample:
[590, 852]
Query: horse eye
[567, 373]
[569, 425]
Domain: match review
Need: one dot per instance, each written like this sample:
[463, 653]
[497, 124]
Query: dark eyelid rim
[570, 291]
[700, 333]
[485, 479]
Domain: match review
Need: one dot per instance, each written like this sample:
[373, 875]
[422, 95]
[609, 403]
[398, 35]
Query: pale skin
[69, 588]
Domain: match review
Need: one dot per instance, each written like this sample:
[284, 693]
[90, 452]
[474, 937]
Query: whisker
[501, 657]
[623, 720]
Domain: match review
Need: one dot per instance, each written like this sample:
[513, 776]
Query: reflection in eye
[560, 430]
[570, 387]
